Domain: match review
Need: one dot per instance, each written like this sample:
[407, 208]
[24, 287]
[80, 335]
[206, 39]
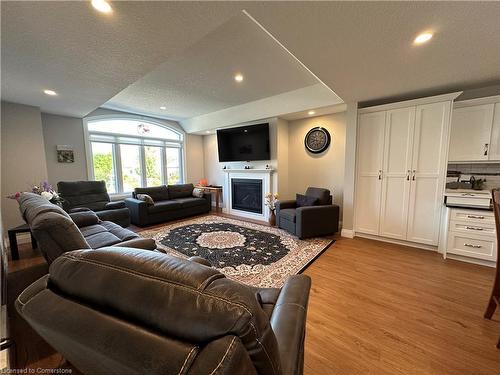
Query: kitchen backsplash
[490, 172]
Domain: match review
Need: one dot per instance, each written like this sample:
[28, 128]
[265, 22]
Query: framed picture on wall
[65, 154]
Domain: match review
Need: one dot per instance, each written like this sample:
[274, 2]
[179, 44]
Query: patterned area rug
[249, 253]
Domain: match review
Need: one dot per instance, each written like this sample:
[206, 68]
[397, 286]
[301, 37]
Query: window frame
[113, 139]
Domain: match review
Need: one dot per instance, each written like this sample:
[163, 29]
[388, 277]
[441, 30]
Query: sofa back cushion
[323, 195]
[51, 226]
[90, 194]
[186, 301]
[157, 193]
[180, 191]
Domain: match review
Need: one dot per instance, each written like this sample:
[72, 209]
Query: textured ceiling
[200, 79]
[88, 57]
[361, 50]
[364, 50]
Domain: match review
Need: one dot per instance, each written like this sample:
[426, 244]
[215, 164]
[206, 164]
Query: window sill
[119, 196]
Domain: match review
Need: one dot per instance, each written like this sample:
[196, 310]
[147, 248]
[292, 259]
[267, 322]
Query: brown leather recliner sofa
[128, 311]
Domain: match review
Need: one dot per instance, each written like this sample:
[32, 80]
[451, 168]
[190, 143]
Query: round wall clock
[317, 140]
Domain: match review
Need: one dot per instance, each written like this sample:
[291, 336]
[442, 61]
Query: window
[129, 153]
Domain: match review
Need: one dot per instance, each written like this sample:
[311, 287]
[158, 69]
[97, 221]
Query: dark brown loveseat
[170, 202]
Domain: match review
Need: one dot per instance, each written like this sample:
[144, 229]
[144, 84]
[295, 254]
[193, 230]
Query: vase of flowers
[45, 190]
[270, 202]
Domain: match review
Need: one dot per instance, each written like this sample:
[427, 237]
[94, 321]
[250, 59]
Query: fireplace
[246, 195]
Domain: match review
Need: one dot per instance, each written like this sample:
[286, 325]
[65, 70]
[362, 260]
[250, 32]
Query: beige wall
[194, 158]
[63, 130]
[23, 156]
[324, 170]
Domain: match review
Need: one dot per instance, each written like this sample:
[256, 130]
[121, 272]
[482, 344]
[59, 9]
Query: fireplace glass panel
[246, 195]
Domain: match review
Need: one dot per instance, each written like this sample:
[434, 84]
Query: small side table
[14, 251]
[217, 190]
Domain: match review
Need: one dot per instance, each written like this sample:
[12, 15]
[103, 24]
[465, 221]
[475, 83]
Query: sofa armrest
[138, 211]
[208, 197]
[84, 218]
[200, 260]
[78, 209]
[138, 243]
[317, 220]
[114, 205]
[281, 205]
[288, 322]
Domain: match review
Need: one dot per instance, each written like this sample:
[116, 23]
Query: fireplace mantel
[252, 170]
[260, 174]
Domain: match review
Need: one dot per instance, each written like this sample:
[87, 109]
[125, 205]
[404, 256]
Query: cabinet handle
[486, 149]
[408, 175]
[379, 174]
[475, 217]
[414, 171]
[473, 228]
[473, 246]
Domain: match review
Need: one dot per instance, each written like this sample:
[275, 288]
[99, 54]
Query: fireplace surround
[240, 192]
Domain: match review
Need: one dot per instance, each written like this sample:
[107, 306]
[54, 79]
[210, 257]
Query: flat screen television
[244, 143]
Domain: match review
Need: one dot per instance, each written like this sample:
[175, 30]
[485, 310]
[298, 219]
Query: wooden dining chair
[494, 301]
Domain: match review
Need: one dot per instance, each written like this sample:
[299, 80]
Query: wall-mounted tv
[244, 143]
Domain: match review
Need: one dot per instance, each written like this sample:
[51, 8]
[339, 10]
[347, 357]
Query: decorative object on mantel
[317, 140]
[248, 167]
[45, 190]
[267, 166]
[65, 154]
[270, 202]
[252, 254]
[224, 167]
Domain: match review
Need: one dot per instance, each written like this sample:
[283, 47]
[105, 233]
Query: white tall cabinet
[401, 167]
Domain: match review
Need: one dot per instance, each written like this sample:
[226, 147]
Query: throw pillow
[198, 193]
[304, 200]
[146, 198]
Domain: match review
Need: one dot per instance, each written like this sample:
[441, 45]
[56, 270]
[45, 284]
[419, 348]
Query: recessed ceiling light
[50, 92]
[102, 6]
[163, 107]
[208, 131]
[422, 38]
[310, 113]
[238, 77]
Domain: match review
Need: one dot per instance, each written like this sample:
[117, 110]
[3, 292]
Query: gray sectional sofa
[170, 202]
[58, 232]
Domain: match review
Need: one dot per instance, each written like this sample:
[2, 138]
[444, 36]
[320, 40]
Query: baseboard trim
[398, 242]
[480, 262]
[348, 233]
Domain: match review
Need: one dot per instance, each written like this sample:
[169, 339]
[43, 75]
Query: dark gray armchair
[309, 221]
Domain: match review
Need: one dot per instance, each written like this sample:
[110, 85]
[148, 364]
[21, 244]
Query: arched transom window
[130, 153]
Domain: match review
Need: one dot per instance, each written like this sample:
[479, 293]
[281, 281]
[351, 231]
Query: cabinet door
[494, 151]
[369, 169]
[428, 171]
[396, 172]
[470, 133]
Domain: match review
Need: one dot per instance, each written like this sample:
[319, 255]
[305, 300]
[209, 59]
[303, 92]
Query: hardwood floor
[380, 308]
[387, 309]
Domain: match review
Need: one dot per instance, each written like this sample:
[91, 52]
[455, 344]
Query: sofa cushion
[102, 239]
[163, 206]
[323, 195]
[84, 218]
[180, 191]
[288, 214]
[190, 202]
[115, 205]
[158, 193]
[304, 200]
[122, 233]
[146, 198]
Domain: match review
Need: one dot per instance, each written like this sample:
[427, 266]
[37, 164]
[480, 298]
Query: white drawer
[472, 216]
[474, 246]
[480, 228]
